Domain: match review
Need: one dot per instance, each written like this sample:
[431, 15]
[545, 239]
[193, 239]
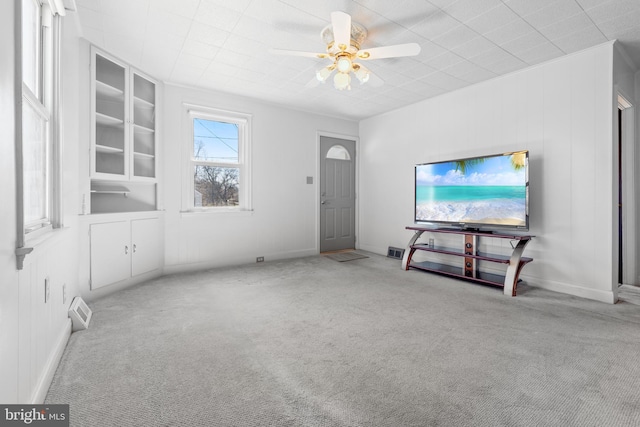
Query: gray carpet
[345, 256]
[312, 342]
[630, 294]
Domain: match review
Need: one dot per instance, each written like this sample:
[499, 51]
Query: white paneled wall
[9, 290]
[33, 332]
[44, 327]
[284, 150]
[561, 112]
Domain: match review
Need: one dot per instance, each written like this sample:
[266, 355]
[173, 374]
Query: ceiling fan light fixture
[342, 81]
[343, 39]
[362, 74]
[343, 63]
[324, 73]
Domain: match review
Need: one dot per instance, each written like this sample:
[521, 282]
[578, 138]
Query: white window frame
[45, 104]
[243, 121]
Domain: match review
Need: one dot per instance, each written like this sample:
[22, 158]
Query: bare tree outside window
[216, 186]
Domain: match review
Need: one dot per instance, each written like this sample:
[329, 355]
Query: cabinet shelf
[142, 129]
[144, 155]
[103, 119]
[143, 102]
[108, 149]
[109, 188]
[106, 90]
[469, 255]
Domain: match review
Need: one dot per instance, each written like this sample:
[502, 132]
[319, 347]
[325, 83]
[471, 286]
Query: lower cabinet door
[110, 253]
[146, 244]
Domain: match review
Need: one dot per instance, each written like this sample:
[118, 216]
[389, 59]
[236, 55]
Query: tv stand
[470, 256]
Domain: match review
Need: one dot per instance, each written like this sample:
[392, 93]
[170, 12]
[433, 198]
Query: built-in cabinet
[123, 142]
[123, 249]
[123, 225]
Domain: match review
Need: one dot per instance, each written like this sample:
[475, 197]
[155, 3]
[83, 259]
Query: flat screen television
[487, 192]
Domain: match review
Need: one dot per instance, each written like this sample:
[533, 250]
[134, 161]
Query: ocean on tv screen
[490, 191]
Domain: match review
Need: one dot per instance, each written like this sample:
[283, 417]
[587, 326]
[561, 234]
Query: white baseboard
[377, 250]
[44, 382]
[240, 260]
[594, 294]
[91, 295]
[609, 297]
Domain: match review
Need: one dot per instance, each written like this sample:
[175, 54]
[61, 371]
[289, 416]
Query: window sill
[37, 235]
[216, 211]
[35, 240]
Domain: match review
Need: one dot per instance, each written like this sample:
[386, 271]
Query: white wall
[559, 111]
[284, 150]
[9, 289]
[32, 333]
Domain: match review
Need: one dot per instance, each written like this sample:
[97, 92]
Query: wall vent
[80, 314]
[396, 253]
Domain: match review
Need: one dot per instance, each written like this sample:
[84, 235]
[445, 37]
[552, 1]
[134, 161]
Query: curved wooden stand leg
[513, 271]
[408, 252]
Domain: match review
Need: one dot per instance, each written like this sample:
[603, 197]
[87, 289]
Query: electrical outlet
[260, 259]
[47, 290]
[64, 293]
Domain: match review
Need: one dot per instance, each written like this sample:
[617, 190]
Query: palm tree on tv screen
[517, 162]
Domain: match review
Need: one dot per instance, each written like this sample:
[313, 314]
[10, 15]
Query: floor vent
[80, 314]
[395, 252]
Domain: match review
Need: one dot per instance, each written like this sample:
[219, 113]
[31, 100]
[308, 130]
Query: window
[218, 167]
[338, 152]
[38, 142]
[36, 41]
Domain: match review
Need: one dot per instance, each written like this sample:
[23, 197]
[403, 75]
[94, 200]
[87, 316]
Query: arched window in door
[338, 152]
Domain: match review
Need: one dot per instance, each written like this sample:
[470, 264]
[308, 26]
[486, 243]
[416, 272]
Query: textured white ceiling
[224, 44]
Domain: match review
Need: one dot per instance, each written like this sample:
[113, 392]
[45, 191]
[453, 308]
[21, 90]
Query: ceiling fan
[344, 38]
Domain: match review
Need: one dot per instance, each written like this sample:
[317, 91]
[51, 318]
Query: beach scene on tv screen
[486, 190]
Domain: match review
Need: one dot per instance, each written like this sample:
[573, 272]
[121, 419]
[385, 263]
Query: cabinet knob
[126, 250]
[134, 248]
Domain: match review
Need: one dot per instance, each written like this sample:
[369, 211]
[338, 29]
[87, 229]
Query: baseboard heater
[80, 314]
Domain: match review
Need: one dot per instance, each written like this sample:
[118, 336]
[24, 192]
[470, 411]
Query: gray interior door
[337, 194]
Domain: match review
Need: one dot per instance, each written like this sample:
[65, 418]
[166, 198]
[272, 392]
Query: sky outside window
[215, 141]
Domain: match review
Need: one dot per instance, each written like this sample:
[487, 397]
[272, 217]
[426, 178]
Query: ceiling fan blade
[298, 53]
[341, 23]
[394, 51]
[374, 80]
[312, 83]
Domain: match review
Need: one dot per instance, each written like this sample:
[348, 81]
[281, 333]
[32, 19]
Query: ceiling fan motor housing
[358, 35]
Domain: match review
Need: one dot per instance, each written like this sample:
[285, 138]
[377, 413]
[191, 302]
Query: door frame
[356, 165]
[629, 209]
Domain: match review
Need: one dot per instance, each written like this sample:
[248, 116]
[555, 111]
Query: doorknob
[324, 202]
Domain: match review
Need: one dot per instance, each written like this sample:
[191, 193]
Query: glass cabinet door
[110, 117]
[144, 127]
